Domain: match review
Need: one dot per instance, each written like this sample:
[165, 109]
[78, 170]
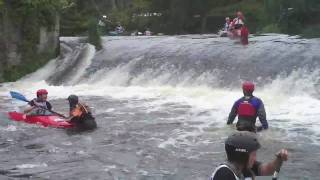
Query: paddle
[21, 97]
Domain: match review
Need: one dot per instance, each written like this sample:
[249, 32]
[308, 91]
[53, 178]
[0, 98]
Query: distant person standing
[119, 28]
[227, 24]
[103, 25]
[224, 32]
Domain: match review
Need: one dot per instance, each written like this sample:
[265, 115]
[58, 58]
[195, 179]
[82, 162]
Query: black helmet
[239, 145]
[73, 100]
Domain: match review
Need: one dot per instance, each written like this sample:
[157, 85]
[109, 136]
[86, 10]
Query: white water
[285, 99]
[291, 99]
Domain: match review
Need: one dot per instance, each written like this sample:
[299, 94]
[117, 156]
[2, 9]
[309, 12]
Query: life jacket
[80, 110]
[82, 118]
[238, 23]
[230, 167]
[246, 108]
[41, 108]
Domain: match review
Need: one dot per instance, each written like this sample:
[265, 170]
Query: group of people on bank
[240, 147]
[104, 24]
[236, 24]
[236, 28]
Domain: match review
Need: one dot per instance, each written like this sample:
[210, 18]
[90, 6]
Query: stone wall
[23, 45]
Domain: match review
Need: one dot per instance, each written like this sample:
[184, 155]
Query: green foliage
[271, 28]
[44, 10]
[292, 15]
[80, 17]
[26, 17]
[311, 32]
[93, 35]
[13, 73]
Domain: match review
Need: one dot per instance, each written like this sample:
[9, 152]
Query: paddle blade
[18, 96]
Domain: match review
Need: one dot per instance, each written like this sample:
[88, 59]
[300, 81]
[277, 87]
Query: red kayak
[46, 121]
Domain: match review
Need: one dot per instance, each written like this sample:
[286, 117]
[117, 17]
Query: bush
[311, 31]
[93, 34]
[271, 28]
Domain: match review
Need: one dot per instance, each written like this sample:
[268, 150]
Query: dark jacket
[83, 120]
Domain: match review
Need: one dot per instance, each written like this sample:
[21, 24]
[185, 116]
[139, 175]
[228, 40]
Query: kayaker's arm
[49, 106]
[29, 109]
[32, 106]
[262, 117]
[232, 114]
[268, 169]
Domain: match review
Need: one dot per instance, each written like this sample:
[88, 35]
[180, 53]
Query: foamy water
[153, 120]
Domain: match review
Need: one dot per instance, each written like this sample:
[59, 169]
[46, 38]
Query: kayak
[46, 121]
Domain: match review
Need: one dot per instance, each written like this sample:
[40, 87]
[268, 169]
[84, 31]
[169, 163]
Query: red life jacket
[246, 109]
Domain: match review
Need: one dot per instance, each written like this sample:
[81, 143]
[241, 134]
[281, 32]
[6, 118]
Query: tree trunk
[11, 38]
[204, 18]
[114, 4]
[57, 34]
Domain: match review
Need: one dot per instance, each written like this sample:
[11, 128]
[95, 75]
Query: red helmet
[41, 92]
[248, 86]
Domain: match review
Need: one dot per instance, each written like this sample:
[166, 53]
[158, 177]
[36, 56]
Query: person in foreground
[39, 105]
[248, 108]
[241, 149]
[80, 114]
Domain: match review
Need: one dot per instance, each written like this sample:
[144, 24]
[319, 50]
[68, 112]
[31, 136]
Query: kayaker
[39, 105]
[227, 24]
[103, 24]
[119, 29]
[248, 108]
[241, 149]
[147, 32]
[80, 114]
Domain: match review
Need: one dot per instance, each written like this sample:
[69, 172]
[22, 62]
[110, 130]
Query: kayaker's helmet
[73, 100]
[41, 92]
[248, 87]
[239, 145]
